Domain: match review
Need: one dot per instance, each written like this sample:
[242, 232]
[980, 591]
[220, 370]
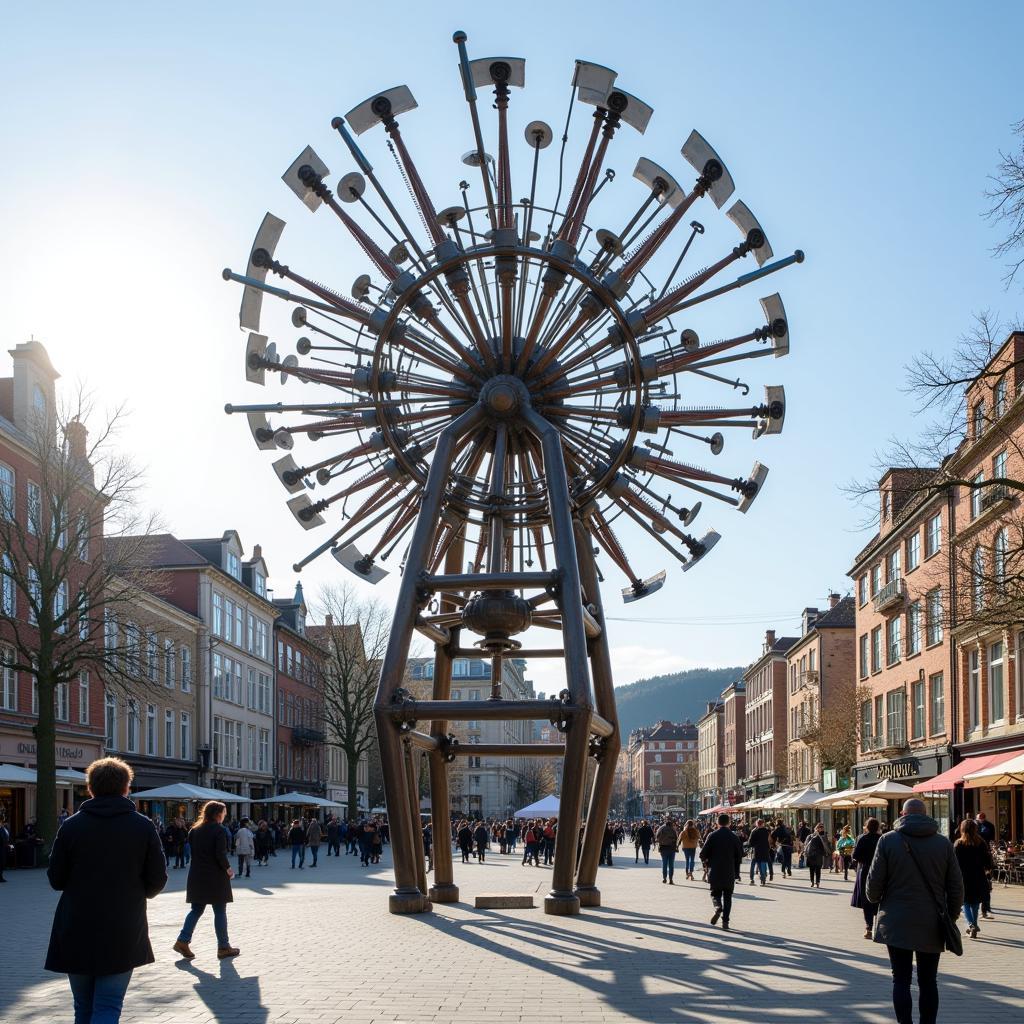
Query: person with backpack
[916, 882]
[547, 840]
[817, 849]
[106, 862]
[667, 837]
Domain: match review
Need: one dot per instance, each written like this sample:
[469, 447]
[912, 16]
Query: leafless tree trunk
[834, 734]
[536, 779]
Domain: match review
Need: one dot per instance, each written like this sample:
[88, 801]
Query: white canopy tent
[186, 791]
[800, 799]
[15, 775]
[877, 795]
[302, 800]
[546, 807]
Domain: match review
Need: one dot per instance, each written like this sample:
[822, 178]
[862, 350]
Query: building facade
[821, 672]
[711, 755]
[663, 769]
[734, 740]
[766, 710]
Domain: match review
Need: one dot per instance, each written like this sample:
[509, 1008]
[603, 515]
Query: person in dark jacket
[642, 840]
[783, 838]
[465, 840]
[863, 853]
[760, 843]
[480, 838]
[975, 861]
[817, 849]
[209, 880]
[908, 915]
[667, 837]
[106, 861]
[721, 855]
[297, 841]
[987, 831]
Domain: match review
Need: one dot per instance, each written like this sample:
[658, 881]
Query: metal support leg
[562, 899]
[413, 789]
[407, 897]
[604, 698]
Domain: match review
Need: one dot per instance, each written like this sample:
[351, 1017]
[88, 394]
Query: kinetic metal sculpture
[484, 390]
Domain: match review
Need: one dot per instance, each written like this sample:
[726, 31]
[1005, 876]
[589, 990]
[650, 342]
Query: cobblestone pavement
[319, 946]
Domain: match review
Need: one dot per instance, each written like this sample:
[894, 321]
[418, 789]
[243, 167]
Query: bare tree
[354, 637]
[1006, 204]
[834, 733]
[536, 779]
[73, 555]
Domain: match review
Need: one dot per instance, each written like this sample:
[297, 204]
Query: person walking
[263, 841]
[106, 862]
[844, 847]
[913, 875]
[667, 838]
[760, 844]
[465, 840]
[245, 847]
[5, 844]
[975, 861]
[689, 840]
[987, 831]
[721, 855]
[480, 839]
[783, 838]
[643, 840]
[817, 849]
[297, 841]
[607, 845]
[209, 881]
[333, 837]
[313, 837]
[863, 853]
[547, 840]
[531, 844]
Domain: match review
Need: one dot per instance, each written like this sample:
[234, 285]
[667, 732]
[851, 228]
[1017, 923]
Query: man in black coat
[106, 862]
[721, 855]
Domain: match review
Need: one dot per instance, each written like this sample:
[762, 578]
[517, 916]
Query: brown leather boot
[223, 952]
[184, 950]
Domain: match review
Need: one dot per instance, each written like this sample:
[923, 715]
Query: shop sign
[906, 769]
[78, 755]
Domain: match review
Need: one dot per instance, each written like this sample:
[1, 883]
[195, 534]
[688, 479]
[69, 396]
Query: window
[33, 595]
[152, 662]
[263, 694]
[252, 688]
[876, 649]
[110, 722]
[9, 694]
[886, 504]
[60, 528]
[218, 614]
[876, 579]
[933, 615]
[917, 706]
[8, 592]
[83, 614]
[996, 677]
[38, 400]
[657, 758]
[937, 699]
[227, 743]
[251, 636]
[263, 640]
[655, 779]
[976, 493]
[252, 746]
[35, 693]
[83, 698]
[977, 579]
[264, 751]
[168, 733]
[168, 663]
[978, 420]
[260, 583]
[973, 688]
[236, 689]
[862, 590]
[109, 630]
[999, 466]
[239, 620]
[6, 492]
[896, 726]
[999, 397]
[914, 628]
[280, 656]
[933, 535]
[60, 607]
[185, 728]
[186, 669]
[999, 562]
[234, 565]
[35, 508]
[83, 537]
[865, 725]
[892, 565]
[913, 551]
[132, 744]
[880, 717]
[864, 656]
[892, 629]
[151, 730]
[61, 702]
[218, 676]
[280, 707]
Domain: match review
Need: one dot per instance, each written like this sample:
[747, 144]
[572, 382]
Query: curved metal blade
[361, 118]
[774, 312]
[291, 176]
[358, 564]
[267, 237]
[698, 152]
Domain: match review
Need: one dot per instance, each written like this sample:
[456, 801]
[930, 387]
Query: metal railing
[890, 594]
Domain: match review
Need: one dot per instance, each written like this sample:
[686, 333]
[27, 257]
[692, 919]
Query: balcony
[808, 678]
[305, 736]
[890, 595]
[994, 497]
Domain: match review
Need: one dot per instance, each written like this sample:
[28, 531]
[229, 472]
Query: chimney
[833, 600]
[77, 436]
[329, 620]
[769, 640]
[257, 552]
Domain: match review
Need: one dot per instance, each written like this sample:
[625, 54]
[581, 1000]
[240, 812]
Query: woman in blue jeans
[106, 861]
[209, 880]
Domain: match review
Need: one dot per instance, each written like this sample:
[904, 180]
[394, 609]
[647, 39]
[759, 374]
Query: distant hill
[675, 696]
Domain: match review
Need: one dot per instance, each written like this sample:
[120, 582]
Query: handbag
[950, 933]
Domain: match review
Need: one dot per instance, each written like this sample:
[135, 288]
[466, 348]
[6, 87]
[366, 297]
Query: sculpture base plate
[561, 905]
[444, 893]
[407, 903]
[589, 896]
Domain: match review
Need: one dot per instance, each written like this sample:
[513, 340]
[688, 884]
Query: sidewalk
[319, 946]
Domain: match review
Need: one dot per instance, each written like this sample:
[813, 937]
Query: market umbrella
[1009, 773]
[301, 800]
[12, 774]
[543, 808]
[801, 798]
[186, 791]
[71, 775]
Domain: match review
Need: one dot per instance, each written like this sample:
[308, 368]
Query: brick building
[766, 711]
[734, 740]
[821, 670]
[663, 763]
[710, 755]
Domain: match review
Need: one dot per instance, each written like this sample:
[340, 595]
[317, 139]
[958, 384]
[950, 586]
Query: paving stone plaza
[319, 946]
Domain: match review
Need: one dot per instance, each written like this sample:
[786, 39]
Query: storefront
[156, 773]
[1002, 805]
[910, 771]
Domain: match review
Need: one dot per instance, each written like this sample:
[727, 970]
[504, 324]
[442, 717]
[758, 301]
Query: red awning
[948, 779]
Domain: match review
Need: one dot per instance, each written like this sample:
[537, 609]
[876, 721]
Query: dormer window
[978, 420]
[260, 583]
[234, 565]
[39, 399]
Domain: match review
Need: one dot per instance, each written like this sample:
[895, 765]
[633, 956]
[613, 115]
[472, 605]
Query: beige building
[766, 710]
[710, 753]
[734, 740]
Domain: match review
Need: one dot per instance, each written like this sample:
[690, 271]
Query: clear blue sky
[142, 146]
